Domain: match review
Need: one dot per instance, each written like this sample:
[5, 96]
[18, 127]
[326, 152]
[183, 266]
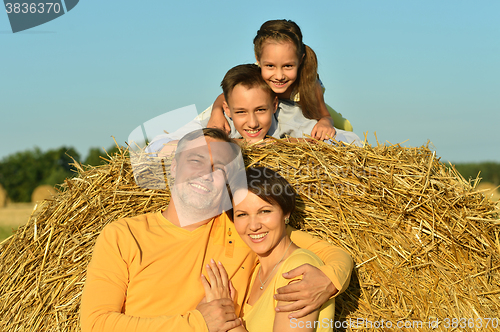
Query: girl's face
[260, 224]
[279, 66]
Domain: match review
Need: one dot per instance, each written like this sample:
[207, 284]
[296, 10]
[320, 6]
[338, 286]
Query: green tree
[490, 171]
[22, 172]
[95, 154]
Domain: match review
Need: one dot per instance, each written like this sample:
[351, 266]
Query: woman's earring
[287, 220]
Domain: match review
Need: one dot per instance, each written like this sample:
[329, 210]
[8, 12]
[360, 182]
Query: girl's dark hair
[289, 31]
[271, 187]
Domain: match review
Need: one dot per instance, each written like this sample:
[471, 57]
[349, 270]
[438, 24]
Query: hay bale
[42, 192]
[3, 197]
[425, 244]
[490, 190]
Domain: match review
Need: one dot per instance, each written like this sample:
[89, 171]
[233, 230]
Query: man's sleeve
[338, 263]
[105, 290]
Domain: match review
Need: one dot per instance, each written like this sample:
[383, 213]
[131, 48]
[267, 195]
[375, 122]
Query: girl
[261, 220]
[290, 68]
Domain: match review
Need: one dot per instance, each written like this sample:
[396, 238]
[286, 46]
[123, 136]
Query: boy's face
[251, 111]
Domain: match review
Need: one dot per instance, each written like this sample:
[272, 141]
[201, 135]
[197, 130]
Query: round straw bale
[425, 244]
[3, 197]
[42, 192]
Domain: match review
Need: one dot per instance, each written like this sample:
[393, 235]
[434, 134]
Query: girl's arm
[217, 119]
[324, 128]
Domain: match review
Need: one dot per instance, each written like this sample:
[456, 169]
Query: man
[145, 271]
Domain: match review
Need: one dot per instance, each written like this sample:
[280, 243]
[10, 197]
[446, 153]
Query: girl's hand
[323, 129]
[218, 120]
[219, 286]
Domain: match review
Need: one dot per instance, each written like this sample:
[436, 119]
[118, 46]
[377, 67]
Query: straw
[426, 246]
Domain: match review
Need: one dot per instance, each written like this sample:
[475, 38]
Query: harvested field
[426, 245]
[12, 216]
[16, 213]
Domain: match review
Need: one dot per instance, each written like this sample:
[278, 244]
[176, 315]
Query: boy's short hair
[247, 75]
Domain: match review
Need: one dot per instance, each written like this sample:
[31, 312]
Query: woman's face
[260, 224]
[279, 67]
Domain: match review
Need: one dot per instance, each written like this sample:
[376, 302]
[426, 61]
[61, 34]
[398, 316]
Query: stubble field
[12, 216]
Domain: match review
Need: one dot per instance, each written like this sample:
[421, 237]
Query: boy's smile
[251, 110]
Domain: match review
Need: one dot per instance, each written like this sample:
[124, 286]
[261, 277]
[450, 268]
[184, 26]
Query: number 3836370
[32, 8]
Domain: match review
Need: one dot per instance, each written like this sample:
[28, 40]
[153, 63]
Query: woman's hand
[219, 286]
[323, 129]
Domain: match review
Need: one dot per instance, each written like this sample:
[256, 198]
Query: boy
[253, 111]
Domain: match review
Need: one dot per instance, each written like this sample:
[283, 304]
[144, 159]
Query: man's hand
[323, 129]
[219, 315]
[309, 294]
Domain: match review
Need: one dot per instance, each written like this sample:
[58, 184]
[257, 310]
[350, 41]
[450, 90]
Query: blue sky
[408, 70]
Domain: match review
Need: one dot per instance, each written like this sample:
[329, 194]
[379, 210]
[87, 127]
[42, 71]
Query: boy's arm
[217, 118]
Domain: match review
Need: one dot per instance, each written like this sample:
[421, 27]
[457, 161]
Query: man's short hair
[213, 133]
[247, 75]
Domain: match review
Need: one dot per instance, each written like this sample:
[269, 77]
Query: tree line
[22, 172]
[488, 171]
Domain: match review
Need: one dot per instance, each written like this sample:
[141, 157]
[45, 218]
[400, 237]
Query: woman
[261, 220]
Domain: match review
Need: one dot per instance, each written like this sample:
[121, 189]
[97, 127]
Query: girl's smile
[279, 66]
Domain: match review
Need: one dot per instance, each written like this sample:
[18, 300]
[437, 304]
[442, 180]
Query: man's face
[200, 174]
[251, 111]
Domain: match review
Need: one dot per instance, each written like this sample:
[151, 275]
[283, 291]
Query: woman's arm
[305, 323]
[217, 119]
[318, 284]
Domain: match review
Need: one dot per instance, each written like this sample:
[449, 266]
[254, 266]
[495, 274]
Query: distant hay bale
[489, 190]
[425, 244]
[42, 192]
[3, 197]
